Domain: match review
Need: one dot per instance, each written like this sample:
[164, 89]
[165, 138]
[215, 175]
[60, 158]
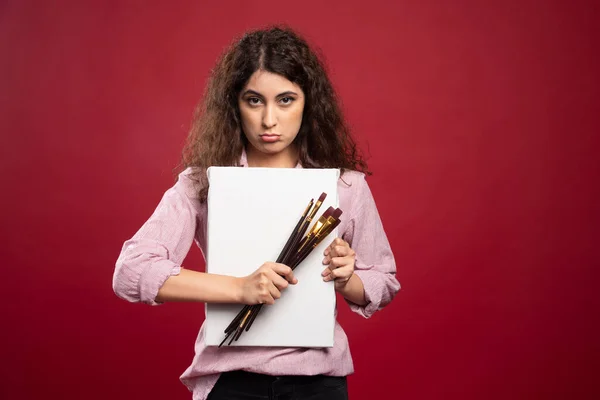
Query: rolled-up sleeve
[158, 248]
[375, 264]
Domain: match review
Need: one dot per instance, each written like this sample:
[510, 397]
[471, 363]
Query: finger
[334, 250]
[278, 281]
[340, 265]
[326, 260]
[267, 299]
[329, 248]
[286, 272]
[341, 250]
[342, 274]
[275, 293]
[339, 242]
[339, 262]
[264, 292]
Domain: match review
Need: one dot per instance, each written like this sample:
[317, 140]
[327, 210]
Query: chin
[272, 148]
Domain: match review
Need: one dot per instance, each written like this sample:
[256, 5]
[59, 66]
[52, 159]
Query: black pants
[240, 385]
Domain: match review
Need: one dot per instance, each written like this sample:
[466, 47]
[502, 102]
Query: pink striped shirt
[157, 250]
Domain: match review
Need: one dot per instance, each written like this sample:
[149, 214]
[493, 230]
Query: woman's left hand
[340, 259]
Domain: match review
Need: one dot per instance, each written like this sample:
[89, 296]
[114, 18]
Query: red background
[482, 127]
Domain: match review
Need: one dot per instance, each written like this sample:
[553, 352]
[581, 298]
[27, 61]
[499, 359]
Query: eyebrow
[254, 93]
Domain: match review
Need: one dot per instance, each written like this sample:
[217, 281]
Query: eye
[287, 100]
[253, 101]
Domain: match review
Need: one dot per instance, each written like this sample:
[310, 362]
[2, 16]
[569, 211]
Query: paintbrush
[296, 249]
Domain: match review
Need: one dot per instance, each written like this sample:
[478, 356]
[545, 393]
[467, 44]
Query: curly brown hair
[216, 137]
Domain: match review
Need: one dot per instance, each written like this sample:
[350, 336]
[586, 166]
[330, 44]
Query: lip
[270, 137]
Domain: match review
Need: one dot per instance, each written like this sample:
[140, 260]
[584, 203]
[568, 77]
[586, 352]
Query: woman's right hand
[265, 284]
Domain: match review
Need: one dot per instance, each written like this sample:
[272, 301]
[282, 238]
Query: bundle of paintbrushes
[299, 245]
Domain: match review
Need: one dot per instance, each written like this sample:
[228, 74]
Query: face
[271, 108]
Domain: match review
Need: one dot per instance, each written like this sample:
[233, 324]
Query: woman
[269, 103]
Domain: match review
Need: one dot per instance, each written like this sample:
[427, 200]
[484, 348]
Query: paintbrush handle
[253, 316]
[237, 319]
[294, 234]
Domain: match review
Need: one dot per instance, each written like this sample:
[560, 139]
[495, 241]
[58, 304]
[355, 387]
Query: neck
[285, 159]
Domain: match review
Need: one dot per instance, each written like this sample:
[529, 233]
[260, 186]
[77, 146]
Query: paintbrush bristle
[322, 197]
[337, 213]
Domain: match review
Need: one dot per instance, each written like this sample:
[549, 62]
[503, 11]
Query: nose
[269, 118]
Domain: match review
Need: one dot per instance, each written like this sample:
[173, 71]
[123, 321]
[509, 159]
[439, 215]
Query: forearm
[196, 286]
[354, 291]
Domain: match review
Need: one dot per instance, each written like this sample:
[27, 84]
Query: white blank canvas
[251, 214]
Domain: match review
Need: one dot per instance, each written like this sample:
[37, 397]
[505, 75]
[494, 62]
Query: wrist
[353, 290]
[238, 289]
[342, 287]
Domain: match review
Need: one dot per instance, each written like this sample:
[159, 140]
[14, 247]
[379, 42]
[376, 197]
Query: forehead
[268, 83]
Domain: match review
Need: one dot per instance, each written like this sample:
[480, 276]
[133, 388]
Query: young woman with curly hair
[268, 103]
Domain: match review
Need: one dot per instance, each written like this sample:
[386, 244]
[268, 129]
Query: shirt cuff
[372, 286]
[154, 277]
